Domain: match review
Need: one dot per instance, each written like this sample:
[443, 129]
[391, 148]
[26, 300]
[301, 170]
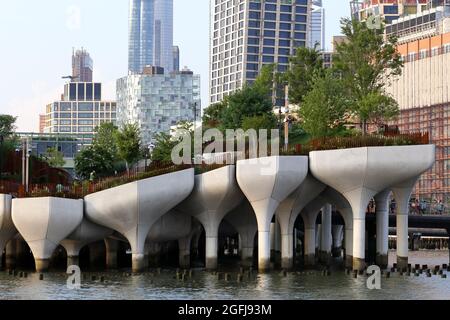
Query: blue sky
[37, 39]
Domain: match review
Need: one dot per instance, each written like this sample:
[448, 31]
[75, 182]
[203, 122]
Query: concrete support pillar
[10, 254]
[359, 243]
[318, 229]
[382, 216]
[96, 254]
[348, 235]
[153, 250]
[42, 265]
[287, 251]
[112, 246]
[264, 213]
[402, 195]
[337, 232]
[184, 246]
[325, 235]
[212, 245]
[73, 251]
[310, 246]
[21, 251]
[73, 260]
[359, 200]
[246, 241]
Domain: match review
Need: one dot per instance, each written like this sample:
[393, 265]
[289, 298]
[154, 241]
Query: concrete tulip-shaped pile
[360, 174]
[44, 223]
[7, 228]
[132, 209]
[86, 233]
[266, 182]
[215, 194]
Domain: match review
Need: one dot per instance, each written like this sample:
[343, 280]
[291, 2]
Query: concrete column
[310, 246]
[73, 251]
[195, 240]
[96, 254]
[402, 195]
[359, 243]
[246, 240]
[184, 246]
[337, 232]
[21, 251]
[10, 254]
[287, 251]
[359, 199]
[112, 246]
[349, 246]
[318, 229]
[382, 213]
[212, 245]
[153, 250]
[325, 235]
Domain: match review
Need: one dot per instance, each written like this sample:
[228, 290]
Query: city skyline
[33, 84]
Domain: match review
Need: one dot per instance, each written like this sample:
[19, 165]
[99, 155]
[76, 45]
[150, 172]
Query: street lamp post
[1, 156]
[26, 153]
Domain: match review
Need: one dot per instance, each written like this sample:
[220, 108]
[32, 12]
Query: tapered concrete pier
[215, 194]
[359, 174]
[326, 239]
[288, 212]
[132, 209]
[266, 182]
[243, 219]
[86, 233]
[382, 212]
[7, 228]
[44, 223]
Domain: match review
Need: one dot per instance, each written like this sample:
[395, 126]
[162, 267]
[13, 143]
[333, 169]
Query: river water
[204, 285]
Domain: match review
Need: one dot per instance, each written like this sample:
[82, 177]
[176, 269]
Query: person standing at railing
[440, 208]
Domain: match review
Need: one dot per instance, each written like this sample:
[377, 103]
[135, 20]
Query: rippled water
[203, 285]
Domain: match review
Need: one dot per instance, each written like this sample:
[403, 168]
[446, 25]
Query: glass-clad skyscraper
[245, 35]
[317, 27]
[150, 39]
[82, 66]
[157, 101]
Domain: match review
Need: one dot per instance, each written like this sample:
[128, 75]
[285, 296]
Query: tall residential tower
[150, 40]
[248, 34]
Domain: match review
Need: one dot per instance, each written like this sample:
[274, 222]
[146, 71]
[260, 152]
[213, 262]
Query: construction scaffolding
[433, 186]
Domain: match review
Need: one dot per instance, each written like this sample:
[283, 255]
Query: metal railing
[79, 190]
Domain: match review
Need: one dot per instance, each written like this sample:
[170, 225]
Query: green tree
[267, 80]
[324, 106]
[212, 116]
[7, 125]
[304, 66]
[367, 64]
[95, 160]
[128, 144]
[105, 138]
[54, 158]
[163, 148]
[244, 103]
[266, 121]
